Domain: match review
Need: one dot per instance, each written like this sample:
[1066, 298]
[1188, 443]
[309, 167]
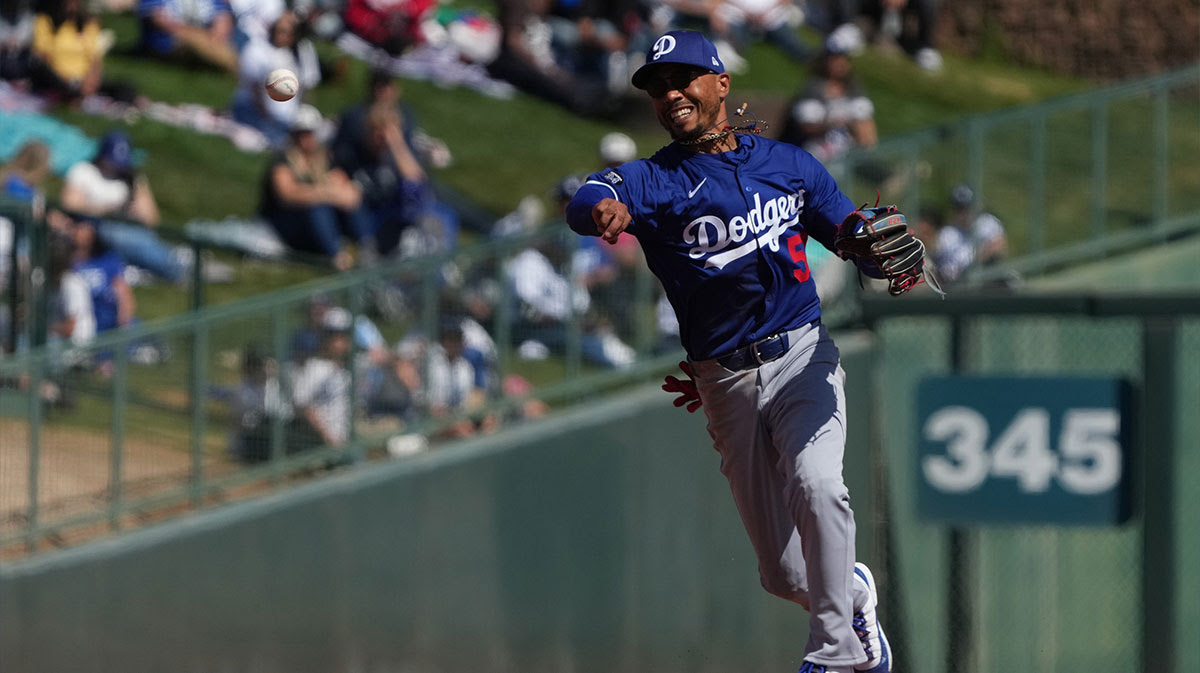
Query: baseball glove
[879, 241]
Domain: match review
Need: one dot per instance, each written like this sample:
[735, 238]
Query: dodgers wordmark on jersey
[726, 235]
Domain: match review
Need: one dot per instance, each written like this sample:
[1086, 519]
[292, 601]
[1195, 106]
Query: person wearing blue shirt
[724, 219]
[201, 28]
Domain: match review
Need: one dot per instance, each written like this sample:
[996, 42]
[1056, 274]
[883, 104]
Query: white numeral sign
[1087, 460]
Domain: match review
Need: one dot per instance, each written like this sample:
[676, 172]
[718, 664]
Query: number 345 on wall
[1034, 450]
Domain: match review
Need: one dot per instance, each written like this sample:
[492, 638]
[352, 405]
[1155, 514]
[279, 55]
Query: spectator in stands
[907, 24]
[283, 48]
[321, 389]
[478, 346]
[200, 29]
[16, 39]
[550, 285]
[453, 388]
[22, 177]
[838, 20]
[71, 320]
[322, 18]
[253, 19]
[306, 339]
[396, 190]
[589, 40]
[256, 402]
[103, 271]
[735, 24]
[392, 25]
[984, 230]
[951, 251]
[21, 180]
[527, 60]
[67, 60]
[833, 112]
[111, 190]
[380, 146]
[310, 202]
[351, 144]
[617, 148]
[393, 387]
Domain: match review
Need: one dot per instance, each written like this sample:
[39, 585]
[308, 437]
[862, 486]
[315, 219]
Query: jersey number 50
[795, 246]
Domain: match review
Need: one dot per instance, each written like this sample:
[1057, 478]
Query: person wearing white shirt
[282, 47]
[253, 19]
[321, 390]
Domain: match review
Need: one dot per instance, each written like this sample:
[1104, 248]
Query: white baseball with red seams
[282, 84]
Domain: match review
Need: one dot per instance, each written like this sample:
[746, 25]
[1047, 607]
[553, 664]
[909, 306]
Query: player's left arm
[825, 205]
[827, 208]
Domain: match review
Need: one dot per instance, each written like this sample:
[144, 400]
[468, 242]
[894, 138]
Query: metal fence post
[358, 451]
[573, 356]
[1037, 185]
[120, 399]
[279, 422]
[959, 625]
[1099, 167]
[504, 316]
[37, 365]
[197, 275]
[198, 392]
[1162, 158]
[36, 319]
[1160, 346]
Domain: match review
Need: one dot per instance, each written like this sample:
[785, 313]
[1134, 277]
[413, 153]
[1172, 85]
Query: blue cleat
[866, 625]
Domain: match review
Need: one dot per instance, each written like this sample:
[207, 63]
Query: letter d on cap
[664, 46]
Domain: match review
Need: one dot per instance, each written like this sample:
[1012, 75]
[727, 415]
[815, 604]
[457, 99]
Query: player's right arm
[600, 207]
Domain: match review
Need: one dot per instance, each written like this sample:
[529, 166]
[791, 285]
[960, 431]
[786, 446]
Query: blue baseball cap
[679, 46]
[116, 149]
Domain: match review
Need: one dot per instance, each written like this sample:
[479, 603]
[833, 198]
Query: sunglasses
[674, 79]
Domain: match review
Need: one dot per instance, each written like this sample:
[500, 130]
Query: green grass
[503, 149]
[506, 149]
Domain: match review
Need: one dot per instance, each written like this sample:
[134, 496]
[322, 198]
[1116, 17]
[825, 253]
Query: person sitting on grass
[284, 47]
[16, 39]
[111, 191]
[200, 29]
[832, 113]
[67, 62]
[310, 202]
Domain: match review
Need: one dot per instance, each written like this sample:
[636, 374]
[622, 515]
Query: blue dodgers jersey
[726, 235]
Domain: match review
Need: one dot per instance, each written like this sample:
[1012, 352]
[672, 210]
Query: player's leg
[748, 461]
[804, 405]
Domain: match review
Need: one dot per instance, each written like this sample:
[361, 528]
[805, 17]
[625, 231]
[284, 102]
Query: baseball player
[724, 218]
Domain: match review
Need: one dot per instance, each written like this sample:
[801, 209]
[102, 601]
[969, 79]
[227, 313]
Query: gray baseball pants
[781, 431]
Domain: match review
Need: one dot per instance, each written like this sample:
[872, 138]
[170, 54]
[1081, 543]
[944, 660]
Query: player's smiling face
[687, 100]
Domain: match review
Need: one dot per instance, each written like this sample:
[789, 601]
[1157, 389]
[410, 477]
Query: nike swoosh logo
[697, 188]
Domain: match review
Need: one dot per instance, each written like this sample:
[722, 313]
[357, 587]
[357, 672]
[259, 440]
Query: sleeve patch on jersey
[612, 176]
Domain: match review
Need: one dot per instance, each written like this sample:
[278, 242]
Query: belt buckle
[754, 348]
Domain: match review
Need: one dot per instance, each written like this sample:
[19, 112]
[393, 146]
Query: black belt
[760, 352]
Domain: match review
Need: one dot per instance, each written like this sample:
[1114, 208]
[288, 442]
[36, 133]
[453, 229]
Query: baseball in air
[282, 84]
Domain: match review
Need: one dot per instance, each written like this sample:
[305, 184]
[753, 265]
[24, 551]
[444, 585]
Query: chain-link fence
[147, 419]
[1070, 178]
[1040, 597]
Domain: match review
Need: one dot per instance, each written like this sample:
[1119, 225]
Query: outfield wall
[603, 539]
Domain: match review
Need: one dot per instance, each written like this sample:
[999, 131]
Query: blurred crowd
[355, 189]
[578, 53]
